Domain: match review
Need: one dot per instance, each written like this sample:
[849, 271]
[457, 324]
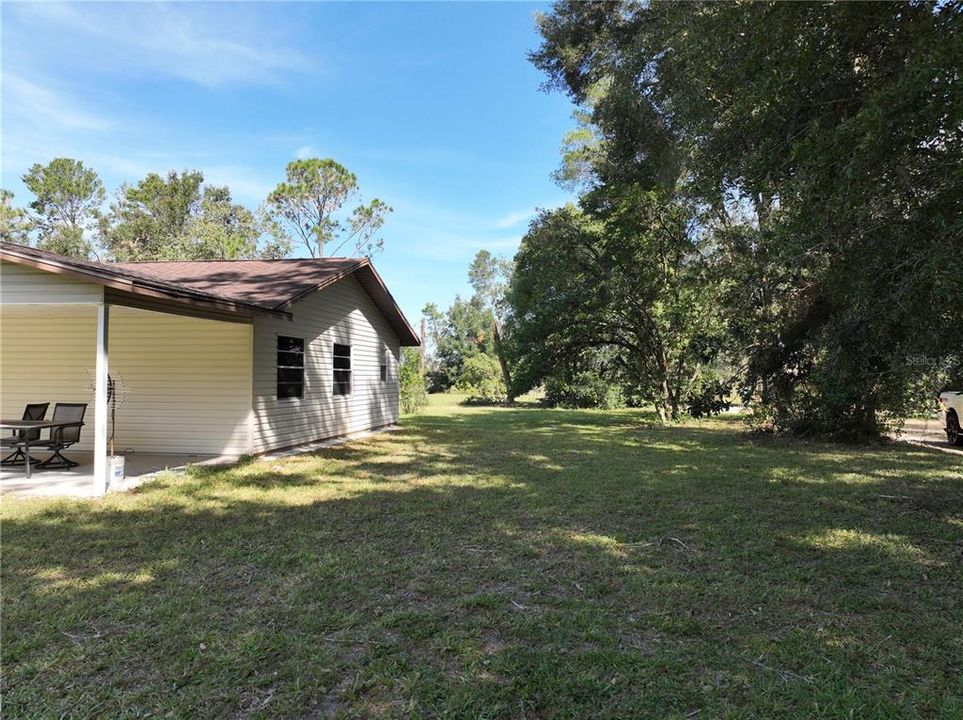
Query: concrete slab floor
[139, 467]
[79, 481]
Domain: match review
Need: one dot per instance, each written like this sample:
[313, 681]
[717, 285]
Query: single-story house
[205, 357]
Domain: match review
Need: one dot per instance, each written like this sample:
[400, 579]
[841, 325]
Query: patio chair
[72, 414]
[32, 411]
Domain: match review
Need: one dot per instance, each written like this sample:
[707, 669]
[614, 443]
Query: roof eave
[106, 277]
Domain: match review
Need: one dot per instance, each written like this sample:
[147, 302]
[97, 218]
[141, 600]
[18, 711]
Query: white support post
[101, 468]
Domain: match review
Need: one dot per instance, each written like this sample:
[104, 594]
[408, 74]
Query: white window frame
[335, 370]
[302, 367]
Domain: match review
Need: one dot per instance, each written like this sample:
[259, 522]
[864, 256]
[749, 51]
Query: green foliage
[67, 241]
[490, 277]
[15, 223]
[149, 218]
[466, 339]
[632, 284]
[413, 390]
[224, 230]
[179, 218]
[822, 144]
[308, 208]
[481, 379]
[461, 332]
[583, 148]
[172, 218]
[66, 205]
[710, 396]
[583, 389]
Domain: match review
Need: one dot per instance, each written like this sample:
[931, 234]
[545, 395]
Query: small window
[342, 369]
[290, 367]
[384, 365]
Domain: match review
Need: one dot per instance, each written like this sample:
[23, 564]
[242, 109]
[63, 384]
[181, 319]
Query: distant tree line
[468, 352]
[178, 216]
[770, 207]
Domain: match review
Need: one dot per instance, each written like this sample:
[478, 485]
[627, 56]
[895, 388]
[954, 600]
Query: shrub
[710, 396]
[437, 380]
[413, 393]
[481, 379]
[584, 389]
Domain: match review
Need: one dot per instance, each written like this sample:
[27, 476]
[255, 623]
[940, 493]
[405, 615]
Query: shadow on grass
[499, 563]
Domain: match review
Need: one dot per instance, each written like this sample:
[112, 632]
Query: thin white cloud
[129, 166]
[200, 44]
[454, 234]
[246, 185]
[305, 151]
[44, 105]
[512, 219]
[498, 243]
[460, 249]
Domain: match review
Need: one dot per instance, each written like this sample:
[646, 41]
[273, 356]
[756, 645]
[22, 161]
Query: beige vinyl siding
[344, 314]
[22, 284]
[185, 383]
[47, 354]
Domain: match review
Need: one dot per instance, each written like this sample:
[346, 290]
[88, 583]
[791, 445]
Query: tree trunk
[665, 404]
[424, 342]
[500, 352]
[763, 207]
[661, 410]
[866, 420]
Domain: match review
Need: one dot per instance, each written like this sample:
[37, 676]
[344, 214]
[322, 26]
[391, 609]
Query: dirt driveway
[929, 433]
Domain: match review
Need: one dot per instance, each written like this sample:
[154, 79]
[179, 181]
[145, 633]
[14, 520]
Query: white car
[951, 403]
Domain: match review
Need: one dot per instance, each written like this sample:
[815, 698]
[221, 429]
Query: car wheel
[953, 434]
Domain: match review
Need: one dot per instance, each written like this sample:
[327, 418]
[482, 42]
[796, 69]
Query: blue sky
[434, 106]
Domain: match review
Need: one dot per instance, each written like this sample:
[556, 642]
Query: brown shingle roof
[244, 287]
[266, 283]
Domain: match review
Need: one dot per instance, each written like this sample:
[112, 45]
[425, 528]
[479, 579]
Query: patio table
[33, 425]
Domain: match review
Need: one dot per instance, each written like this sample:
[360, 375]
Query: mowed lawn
[501, 563]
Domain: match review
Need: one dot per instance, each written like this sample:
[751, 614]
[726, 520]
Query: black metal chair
[32, 411]
[72, 415]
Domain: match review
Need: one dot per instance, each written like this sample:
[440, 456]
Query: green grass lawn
[489, 563]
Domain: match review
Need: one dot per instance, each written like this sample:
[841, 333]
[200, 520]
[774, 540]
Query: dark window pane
[290, 375]
[290, 367]
[290, 359]
[342, 382]
[384, 373]
[342, 369]
[290, 390]
[290, 343]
